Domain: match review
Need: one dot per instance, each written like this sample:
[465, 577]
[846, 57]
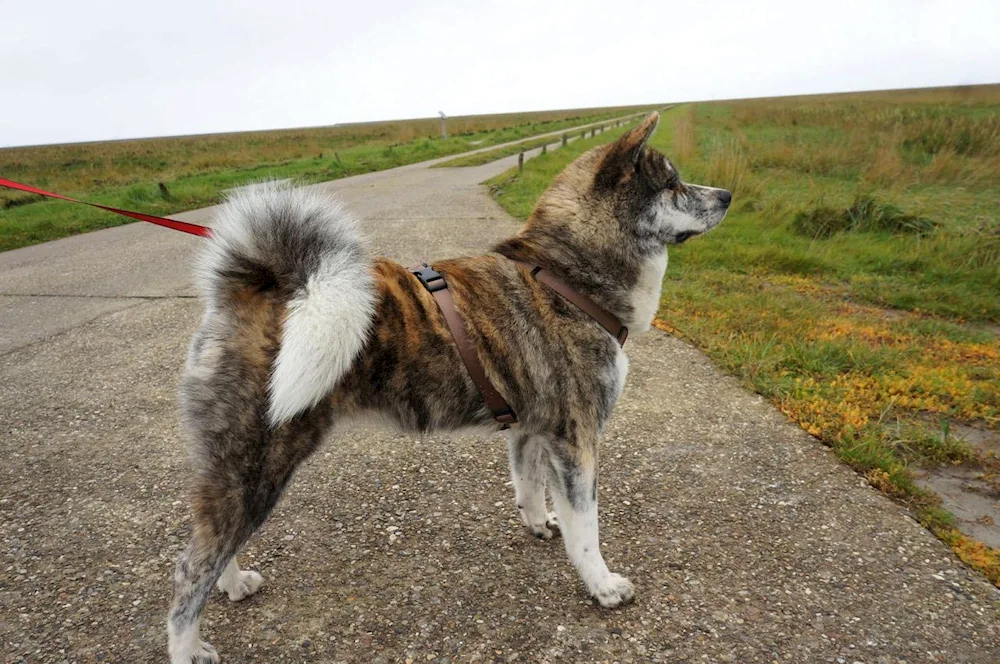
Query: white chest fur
[645, 295]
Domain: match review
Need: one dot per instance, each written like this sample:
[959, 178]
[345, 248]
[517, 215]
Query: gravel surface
[746, 540]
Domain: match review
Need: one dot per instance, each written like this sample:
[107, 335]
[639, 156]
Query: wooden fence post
[564, 139]
[520, 161]
[544, 148]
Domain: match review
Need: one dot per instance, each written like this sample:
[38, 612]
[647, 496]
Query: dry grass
[729, 167]
[921, 136]
[685, 141]
[887, 164]
[724, 162]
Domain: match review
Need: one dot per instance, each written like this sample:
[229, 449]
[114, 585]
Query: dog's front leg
[528, 469]
[573, 485]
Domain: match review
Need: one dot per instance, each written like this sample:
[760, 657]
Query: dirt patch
[970, 493]
[986, 441]
[966, 494]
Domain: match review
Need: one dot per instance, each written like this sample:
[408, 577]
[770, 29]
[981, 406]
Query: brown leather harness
[435, 283]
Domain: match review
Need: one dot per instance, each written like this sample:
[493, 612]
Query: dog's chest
[645, 296]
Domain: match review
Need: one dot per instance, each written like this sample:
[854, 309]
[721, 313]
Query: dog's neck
[616, 275]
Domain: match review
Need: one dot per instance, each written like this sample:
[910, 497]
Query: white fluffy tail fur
[274, 236]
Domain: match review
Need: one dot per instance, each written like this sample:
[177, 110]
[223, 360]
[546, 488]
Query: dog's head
[629, 188]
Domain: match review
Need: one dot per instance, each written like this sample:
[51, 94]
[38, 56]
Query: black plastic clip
[430, 278]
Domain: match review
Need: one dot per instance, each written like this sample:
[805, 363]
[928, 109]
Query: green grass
[855, 281]
[196, 170]
[489, 156]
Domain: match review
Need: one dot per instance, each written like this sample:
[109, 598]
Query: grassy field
[481, 158]
[856, 282]
[196, 169]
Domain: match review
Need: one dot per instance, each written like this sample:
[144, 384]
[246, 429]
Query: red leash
[183, 226]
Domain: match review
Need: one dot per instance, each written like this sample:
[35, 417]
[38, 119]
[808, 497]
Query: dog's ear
[622, 158]
[634, 142]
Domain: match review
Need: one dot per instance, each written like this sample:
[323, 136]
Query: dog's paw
[245, 585]
[614, 590]
[545, 530]
[204, 653]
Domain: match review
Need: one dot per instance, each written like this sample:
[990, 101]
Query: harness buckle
[505, 415]
[430, 278]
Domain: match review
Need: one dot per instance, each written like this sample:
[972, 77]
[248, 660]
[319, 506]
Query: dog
[302, 330]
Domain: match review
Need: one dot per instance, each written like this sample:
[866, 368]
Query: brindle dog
[302, 329]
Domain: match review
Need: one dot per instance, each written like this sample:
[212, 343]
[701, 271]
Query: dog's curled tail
[308, 250]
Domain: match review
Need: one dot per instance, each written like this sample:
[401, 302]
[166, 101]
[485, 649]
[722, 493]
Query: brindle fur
[595, 229]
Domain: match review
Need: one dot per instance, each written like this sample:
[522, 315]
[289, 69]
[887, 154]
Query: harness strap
[605, 318]
[438, 287]
[435, 283]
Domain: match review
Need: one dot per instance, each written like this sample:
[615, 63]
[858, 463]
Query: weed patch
[864, 215]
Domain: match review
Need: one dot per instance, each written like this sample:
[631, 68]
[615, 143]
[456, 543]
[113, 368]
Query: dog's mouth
[680, 238]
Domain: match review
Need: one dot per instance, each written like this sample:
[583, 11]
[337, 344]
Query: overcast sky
[101, 69]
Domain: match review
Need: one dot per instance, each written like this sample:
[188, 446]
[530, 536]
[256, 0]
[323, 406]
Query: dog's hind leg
[290, 297]
[197, 569]
[573, 485]
[243, 464]
[235, 492]
[528, 470]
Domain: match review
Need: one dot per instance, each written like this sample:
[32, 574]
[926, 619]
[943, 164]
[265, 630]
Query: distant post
[520, 161]
[444, 127]
[564, 140]
[544, 147]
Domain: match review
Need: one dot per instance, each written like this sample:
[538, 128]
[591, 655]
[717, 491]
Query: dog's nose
[725, 197]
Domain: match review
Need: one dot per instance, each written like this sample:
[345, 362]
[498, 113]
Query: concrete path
[746, 539]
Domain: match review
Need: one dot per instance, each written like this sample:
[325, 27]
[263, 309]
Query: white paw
[545, 530]
[246, 584]
[204, 653]
[614, 590]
